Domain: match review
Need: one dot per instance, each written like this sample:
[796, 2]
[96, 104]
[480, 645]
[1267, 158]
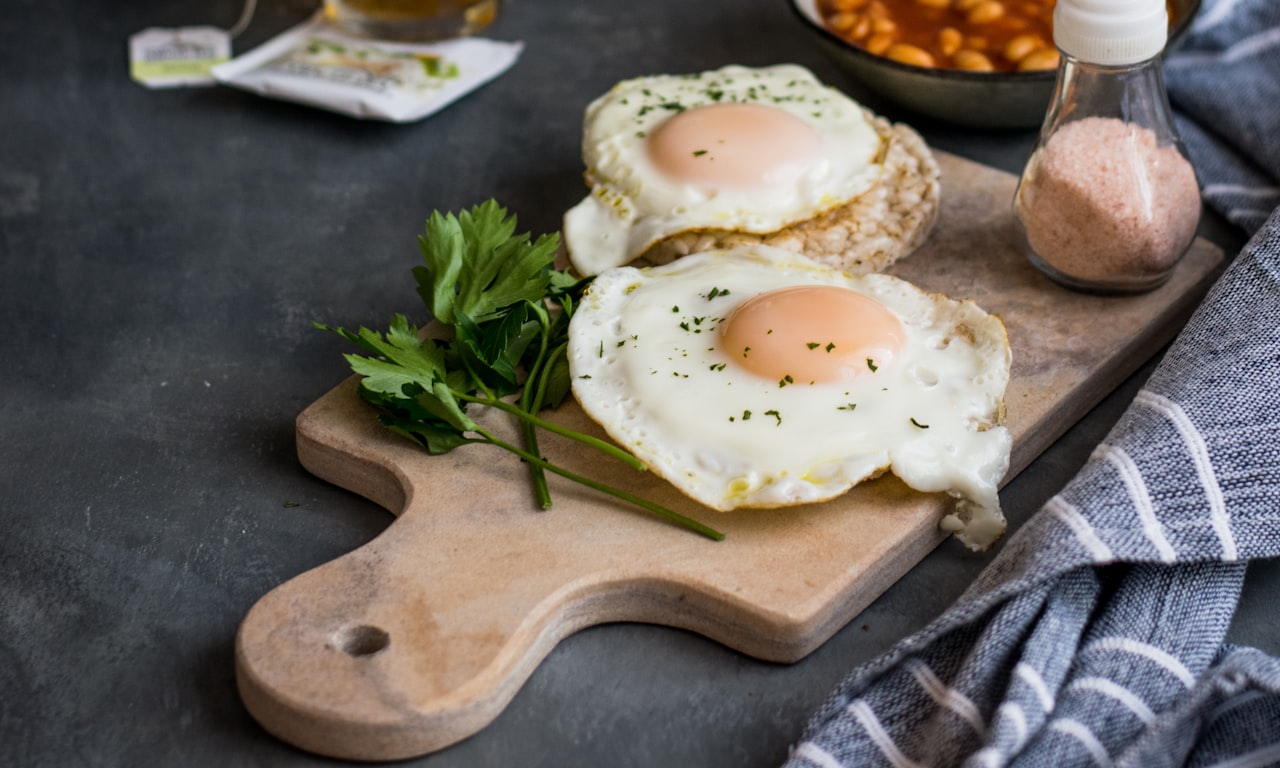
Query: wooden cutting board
[421, 637]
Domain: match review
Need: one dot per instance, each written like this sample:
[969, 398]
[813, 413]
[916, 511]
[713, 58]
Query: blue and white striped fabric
[1224, 83]
[1096, 636]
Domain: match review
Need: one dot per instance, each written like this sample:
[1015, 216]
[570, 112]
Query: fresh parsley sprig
[504, 310]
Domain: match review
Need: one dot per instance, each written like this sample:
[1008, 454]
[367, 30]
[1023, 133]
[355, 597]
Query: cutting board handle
[388, 653]
[421, 637]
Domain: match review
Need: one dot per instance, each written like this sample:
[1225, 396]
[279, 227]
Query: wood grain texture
[420, 638]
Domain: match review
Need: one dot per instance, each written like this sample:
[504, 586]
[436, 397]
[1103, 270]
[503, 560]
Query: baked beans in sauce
[976, 35]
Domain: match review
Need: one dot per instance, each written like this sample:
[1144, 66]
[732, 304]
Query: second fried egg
[742, 149]
[758, 378]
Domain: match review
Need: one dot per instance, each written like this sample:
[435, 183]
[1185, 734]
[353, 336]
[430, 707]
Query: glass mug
[415, 20]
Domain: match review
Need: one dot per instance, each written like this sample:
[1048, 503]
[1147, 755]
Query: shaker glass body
[1108, 201]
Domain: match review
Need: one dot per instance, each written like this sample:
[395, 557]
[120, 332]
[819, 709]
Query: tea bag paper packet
[321, 66]
[172, 58]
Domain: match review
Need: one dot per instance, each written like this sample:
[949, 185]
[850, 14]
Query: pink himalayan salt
[1107, 206]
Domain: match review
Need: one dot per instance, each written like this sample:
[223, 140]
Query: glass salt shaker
[1108, 201]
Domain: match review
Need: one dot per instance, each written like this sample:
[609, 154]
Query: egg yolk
[736, 145]
[811, 334]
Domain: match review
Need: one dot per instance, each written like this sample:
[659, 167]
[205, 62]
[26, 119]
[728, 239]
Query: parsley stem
[657, 509]
[531, 402]
[475, 378]
[539, 376]
[600, 445]
[540, 489]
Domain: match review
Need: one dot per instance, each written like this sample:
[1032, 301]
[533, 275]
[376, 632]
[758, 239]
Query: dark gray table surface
[162, 257]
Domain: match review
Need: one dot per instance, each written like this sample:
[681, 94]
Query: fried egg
[756, 377]
[741, 149]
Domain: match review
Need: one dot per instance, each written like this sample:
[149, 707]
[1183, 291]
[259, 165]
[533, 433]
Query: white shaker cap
[1111, 32]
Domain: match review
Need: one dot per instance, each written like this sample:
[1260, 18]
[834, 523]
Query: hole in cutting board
[363, 640]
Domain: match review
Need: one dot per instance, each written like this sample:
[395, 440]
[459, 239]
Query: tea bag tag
[183, 56]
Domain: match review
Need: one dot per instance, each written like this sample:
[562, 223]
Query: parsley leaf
[508, 309]
[476, 266]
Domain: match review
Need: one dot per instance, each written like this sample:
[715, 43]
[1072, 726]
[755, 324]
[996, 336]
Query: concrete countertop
[162, 257]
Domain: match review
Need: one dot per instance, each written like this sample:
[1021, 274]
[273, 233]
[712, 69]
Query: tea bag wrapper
[318, 65]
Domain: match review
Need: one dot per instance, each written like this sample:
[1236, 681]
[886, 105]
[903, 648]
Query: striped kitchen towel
[1224, 84]
[1096, 636]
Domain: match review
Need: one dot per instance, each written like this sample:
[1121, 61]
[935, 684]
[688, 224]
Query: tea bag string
[246, 16]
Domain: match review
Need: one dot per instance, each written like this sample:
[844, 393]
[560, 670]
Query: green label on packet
[170, 58]
[188, 71]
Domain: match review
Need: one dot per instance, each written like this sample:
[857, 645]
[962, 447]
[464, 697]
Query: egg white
[633, 205]
[646, 365]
